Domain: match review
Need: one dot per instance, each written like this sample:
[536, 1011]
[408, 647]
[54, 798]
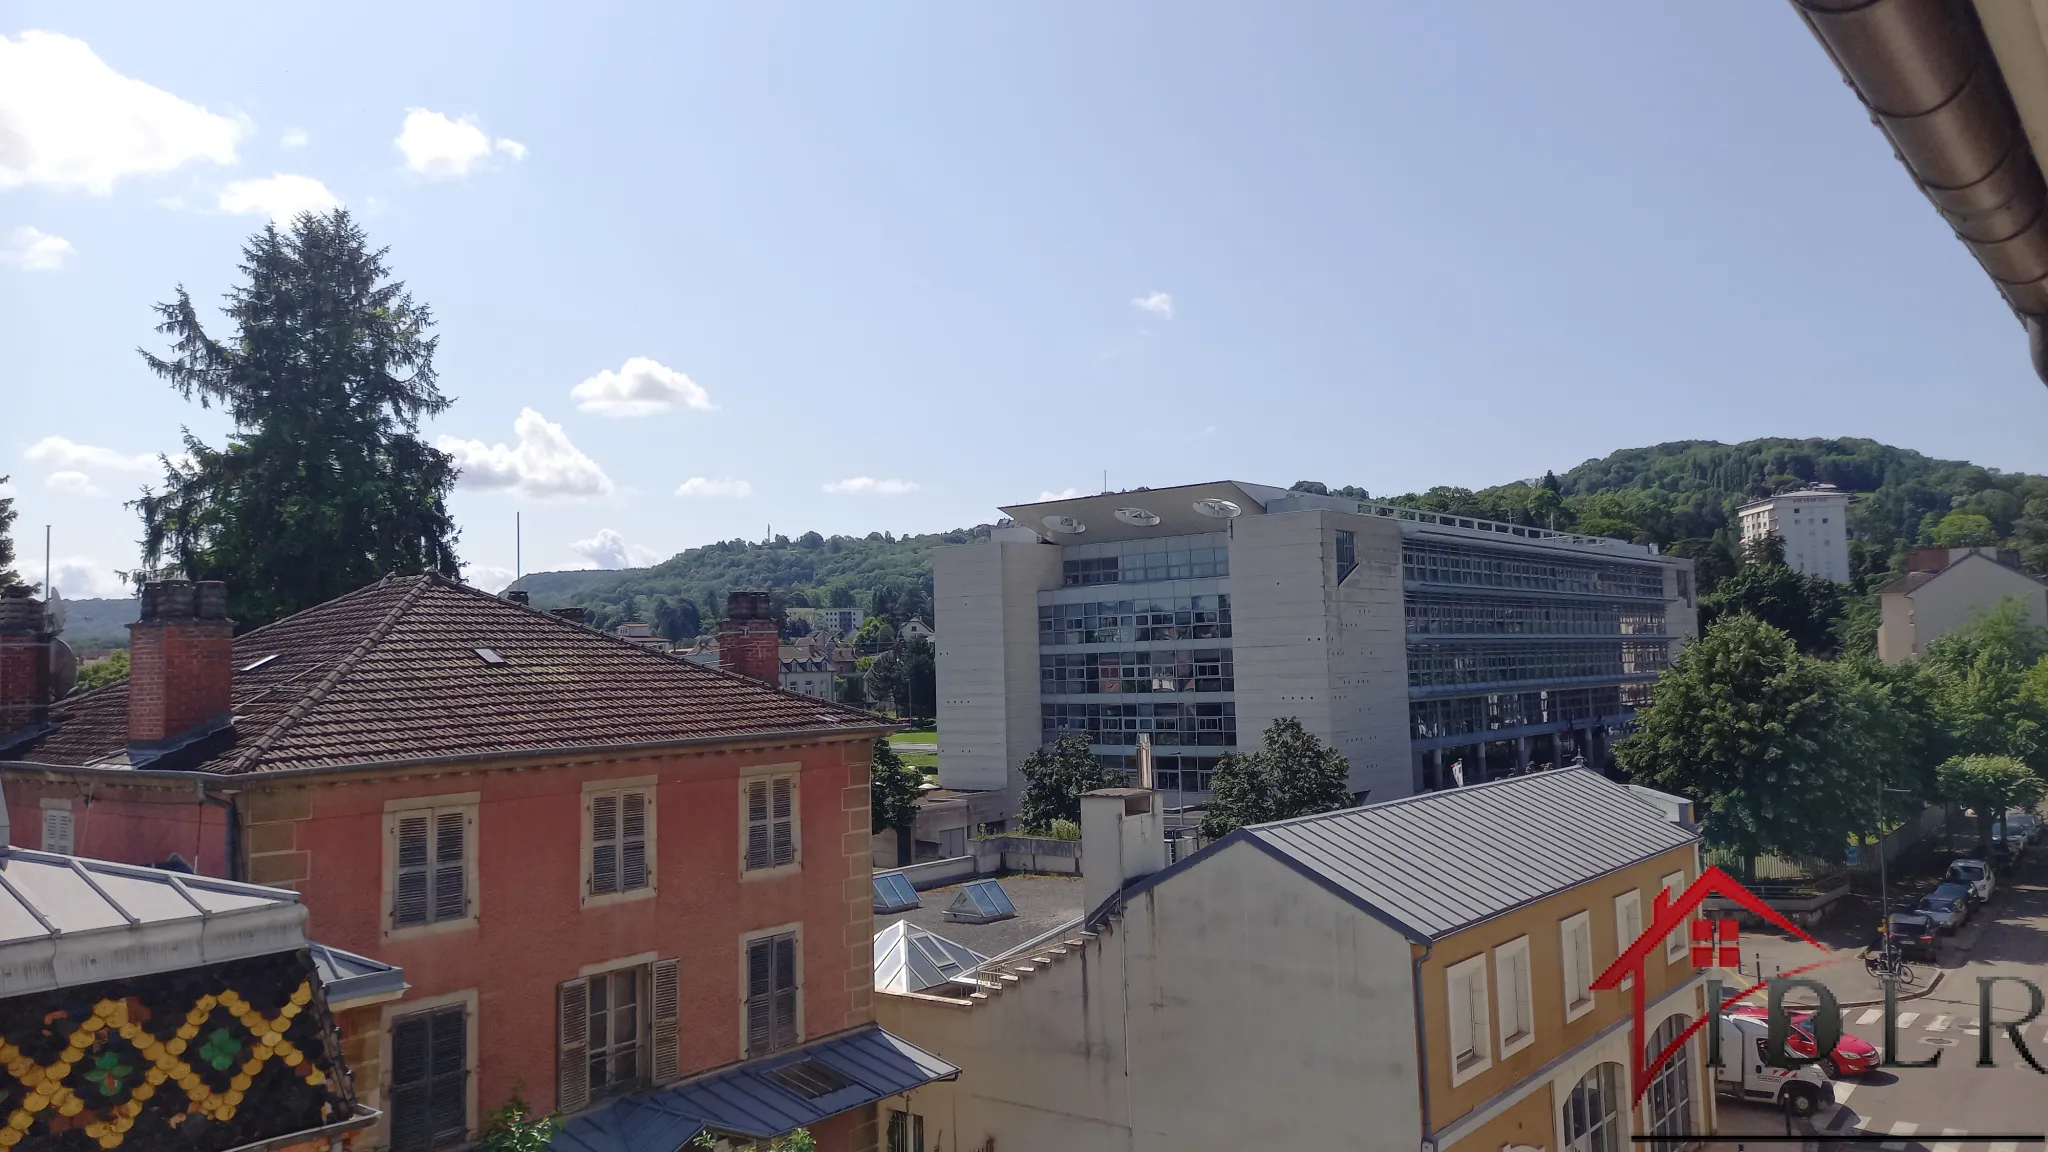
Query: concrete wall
[1912, 620]
[1335, 656]
[985, 598]
[1260, 1011]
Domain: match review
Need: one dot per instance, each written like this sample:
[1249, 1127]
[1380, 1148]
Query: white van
[1746, 1074]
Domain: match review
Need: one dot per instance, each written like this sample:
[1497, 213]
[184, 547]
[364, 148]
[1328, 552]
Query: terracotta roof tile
[391, 672]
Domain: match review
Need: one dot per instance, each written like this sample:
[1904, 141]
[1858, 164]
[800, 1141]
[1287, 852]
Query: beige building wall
[1910, 621]
[985, 599]
[1235, 1006]
[1334, 655]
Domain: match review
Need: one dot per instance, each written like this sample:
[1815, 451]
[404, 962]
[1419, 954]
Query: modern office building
[1197, 615]
[1814, 523]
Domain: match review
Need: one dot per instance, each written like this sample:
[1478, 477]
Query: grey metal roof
[347, 976]
[746, 1101]
[1443, 861]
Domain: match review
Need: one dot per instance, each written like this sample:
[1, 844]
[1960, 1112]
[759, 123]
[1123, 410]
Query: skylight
[893, 893]
[981, 902]
[259, 662]
[809, 1079]
[490, 655]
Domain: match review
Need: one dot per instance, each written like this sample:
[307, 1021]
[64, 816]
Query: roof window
[489, 655]
[809, 1079]
[259, 662]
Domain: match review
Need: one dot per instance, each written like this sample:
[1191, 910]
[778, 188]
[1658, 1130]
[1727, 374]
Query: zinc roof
[1441, 862]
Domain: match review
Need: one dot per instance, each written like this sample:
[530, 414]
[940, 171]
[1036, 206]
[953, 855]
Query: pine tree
[7, 514]
[325, 484]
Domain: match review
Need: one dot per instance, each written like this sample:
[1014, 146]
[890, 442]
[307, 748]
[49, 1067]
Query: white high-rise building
[1814, 523]
[1197, 615]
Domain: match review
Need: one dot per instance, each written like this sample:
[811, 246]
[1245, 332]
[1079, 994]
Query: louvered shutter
[572, 1059]
[412, 1128]
[666, 1025]
[604, 843]
[760, 997]
[757, 824]
[57, 830]
[785, 991]
[409, 899]
[633, 841]
[785, 833]
[449, 1066]
[451, 881]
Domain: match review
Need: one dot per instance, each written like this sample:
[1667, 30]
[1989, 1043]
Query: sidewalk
[1845, 935]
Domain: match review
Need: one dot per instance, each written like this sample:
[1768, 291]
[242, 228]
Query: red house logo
[1707, 938]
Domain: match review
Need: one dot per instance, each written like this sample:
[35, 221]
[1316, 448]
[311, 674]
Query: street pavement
[1947, 1107]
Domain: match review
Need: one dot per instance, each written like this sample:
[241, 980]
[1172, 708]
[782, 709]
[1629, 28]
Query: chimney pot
[748, 641]
[517, 596]
[575, 614]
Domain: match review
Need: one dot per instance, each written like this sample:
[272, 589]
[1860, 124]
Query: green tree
[1986, 689]
[7, 514]
[515, 1127]
[1055, 776]
[1990, 785]
[1961, 529]
[678, 620]
[325, 484]
[99, 673]
[892, 795]
[800, 1140]
[915, 672]
[1755, 733]
[875, 635]
[1804, 607]
[1292, 774]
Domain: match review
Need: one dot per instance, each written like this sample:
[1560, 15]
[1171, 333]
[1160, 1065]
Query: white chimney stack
[1123, 838]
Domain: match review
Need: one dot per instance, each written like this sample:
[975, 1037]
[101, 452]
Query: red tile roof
[391, 673]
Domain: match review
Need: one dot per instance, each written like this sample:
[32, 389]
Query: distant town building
[1431, 650]
[811, 678]
[838, 621]
[1812, 521]
[915, 629]
[1947, 587]
[636, 632]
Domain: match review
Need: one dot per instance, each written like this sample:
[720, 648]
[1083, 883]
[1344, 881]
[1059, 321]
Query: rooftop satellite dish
[1137, 516]
[1066, 525]
[1217, 509]
[63, 669]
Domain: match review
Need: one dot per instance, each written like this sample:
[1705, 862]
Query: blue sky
[959, 255]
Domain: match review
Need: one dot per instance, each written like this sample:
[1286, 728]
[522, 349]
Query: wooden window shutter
[760, 996]
[572, 1058]
[411, 1087]
[785, 819]
[757, 824]
[451, 864]
[666, 1023]
[785, 992]
[633, 841]
[409, 893]
[604, 843]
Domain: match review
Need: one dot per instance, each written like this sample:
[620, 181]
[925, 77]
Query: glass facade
[1476, 715]
[1441, 562]
[1161, 670]
[1442, 665]
[1139, 567]
[1179, 724]
[1135, 621]
[1441, 615]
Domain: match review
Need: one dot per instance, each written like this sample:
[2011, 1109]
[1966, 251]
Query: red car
[1853, 1056]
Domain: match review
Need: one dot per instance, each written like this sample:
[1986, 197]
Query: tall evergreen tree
[7, 514]
[325, 483]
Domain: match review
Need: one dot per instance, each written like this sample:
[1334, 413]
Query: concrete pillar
[1521, 754]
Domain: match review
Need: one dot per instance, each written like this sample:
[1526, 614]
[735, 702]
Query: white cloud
[80, 578]
[71, 483]
[60, 454]
[1062, 494]
[608, 549]
[443, 149]
[34, 250]
[1157, 303]
[69, 121]
[703, 488]
[486, 577]
[280, 197]
[294, 138]
[543, 464]
[869, 486]
[641, 387]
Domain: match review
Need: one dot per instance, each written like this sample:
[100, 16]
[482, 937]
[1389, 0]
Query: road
[1940, 1108]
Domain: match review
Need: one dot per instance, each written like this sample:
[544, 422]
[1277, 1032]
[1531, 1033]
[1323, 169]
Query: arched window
[1671, 1092]
[1592, 1113]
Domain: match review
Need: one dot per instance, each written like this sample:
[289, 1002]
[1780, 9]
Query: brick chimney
[24, 660]
[748, 642]
[181, 665]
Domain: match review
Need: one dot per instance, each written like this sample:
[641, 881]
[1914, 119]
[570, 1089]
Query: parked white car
[1975, 874]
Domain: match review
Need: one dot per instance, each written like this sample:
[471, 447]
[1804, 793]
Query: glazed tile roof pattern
[392, 672]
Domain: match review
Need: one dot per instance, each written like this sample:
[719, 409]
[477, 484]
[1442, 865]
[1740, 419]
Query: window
[57, 826]
[906, 1132]
[1465, 1001]
[432, 861]
[1515, 991]
[771, 822]
[1347, 554]
[430, 1079]
[1628, 924]
[1671, 1091]
[810, 1079]
[1575, 934]
[617, 1032]
[771, 993]
[619, 841]
[1674, 944]
[1591, 1113]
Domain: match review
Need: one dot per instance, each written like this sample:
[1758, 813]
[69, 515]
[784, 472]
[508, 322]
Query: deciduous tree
[1292, 774]
[892, 789]
[1990, 785]
[1055, 776]
[325, 484]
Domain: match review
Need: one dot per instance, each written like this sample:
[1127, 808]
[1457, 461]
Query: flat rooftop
[1043, 904]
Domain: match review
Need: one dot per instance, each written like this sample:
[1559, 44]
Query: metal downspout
[1422, 1048]
[236, 870]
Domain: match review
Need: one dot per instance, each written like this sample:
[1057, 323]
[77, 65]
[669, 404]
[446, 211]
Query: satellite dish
[1217, 509]
[1066, 525]
[63, 669]
[1137, 516]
